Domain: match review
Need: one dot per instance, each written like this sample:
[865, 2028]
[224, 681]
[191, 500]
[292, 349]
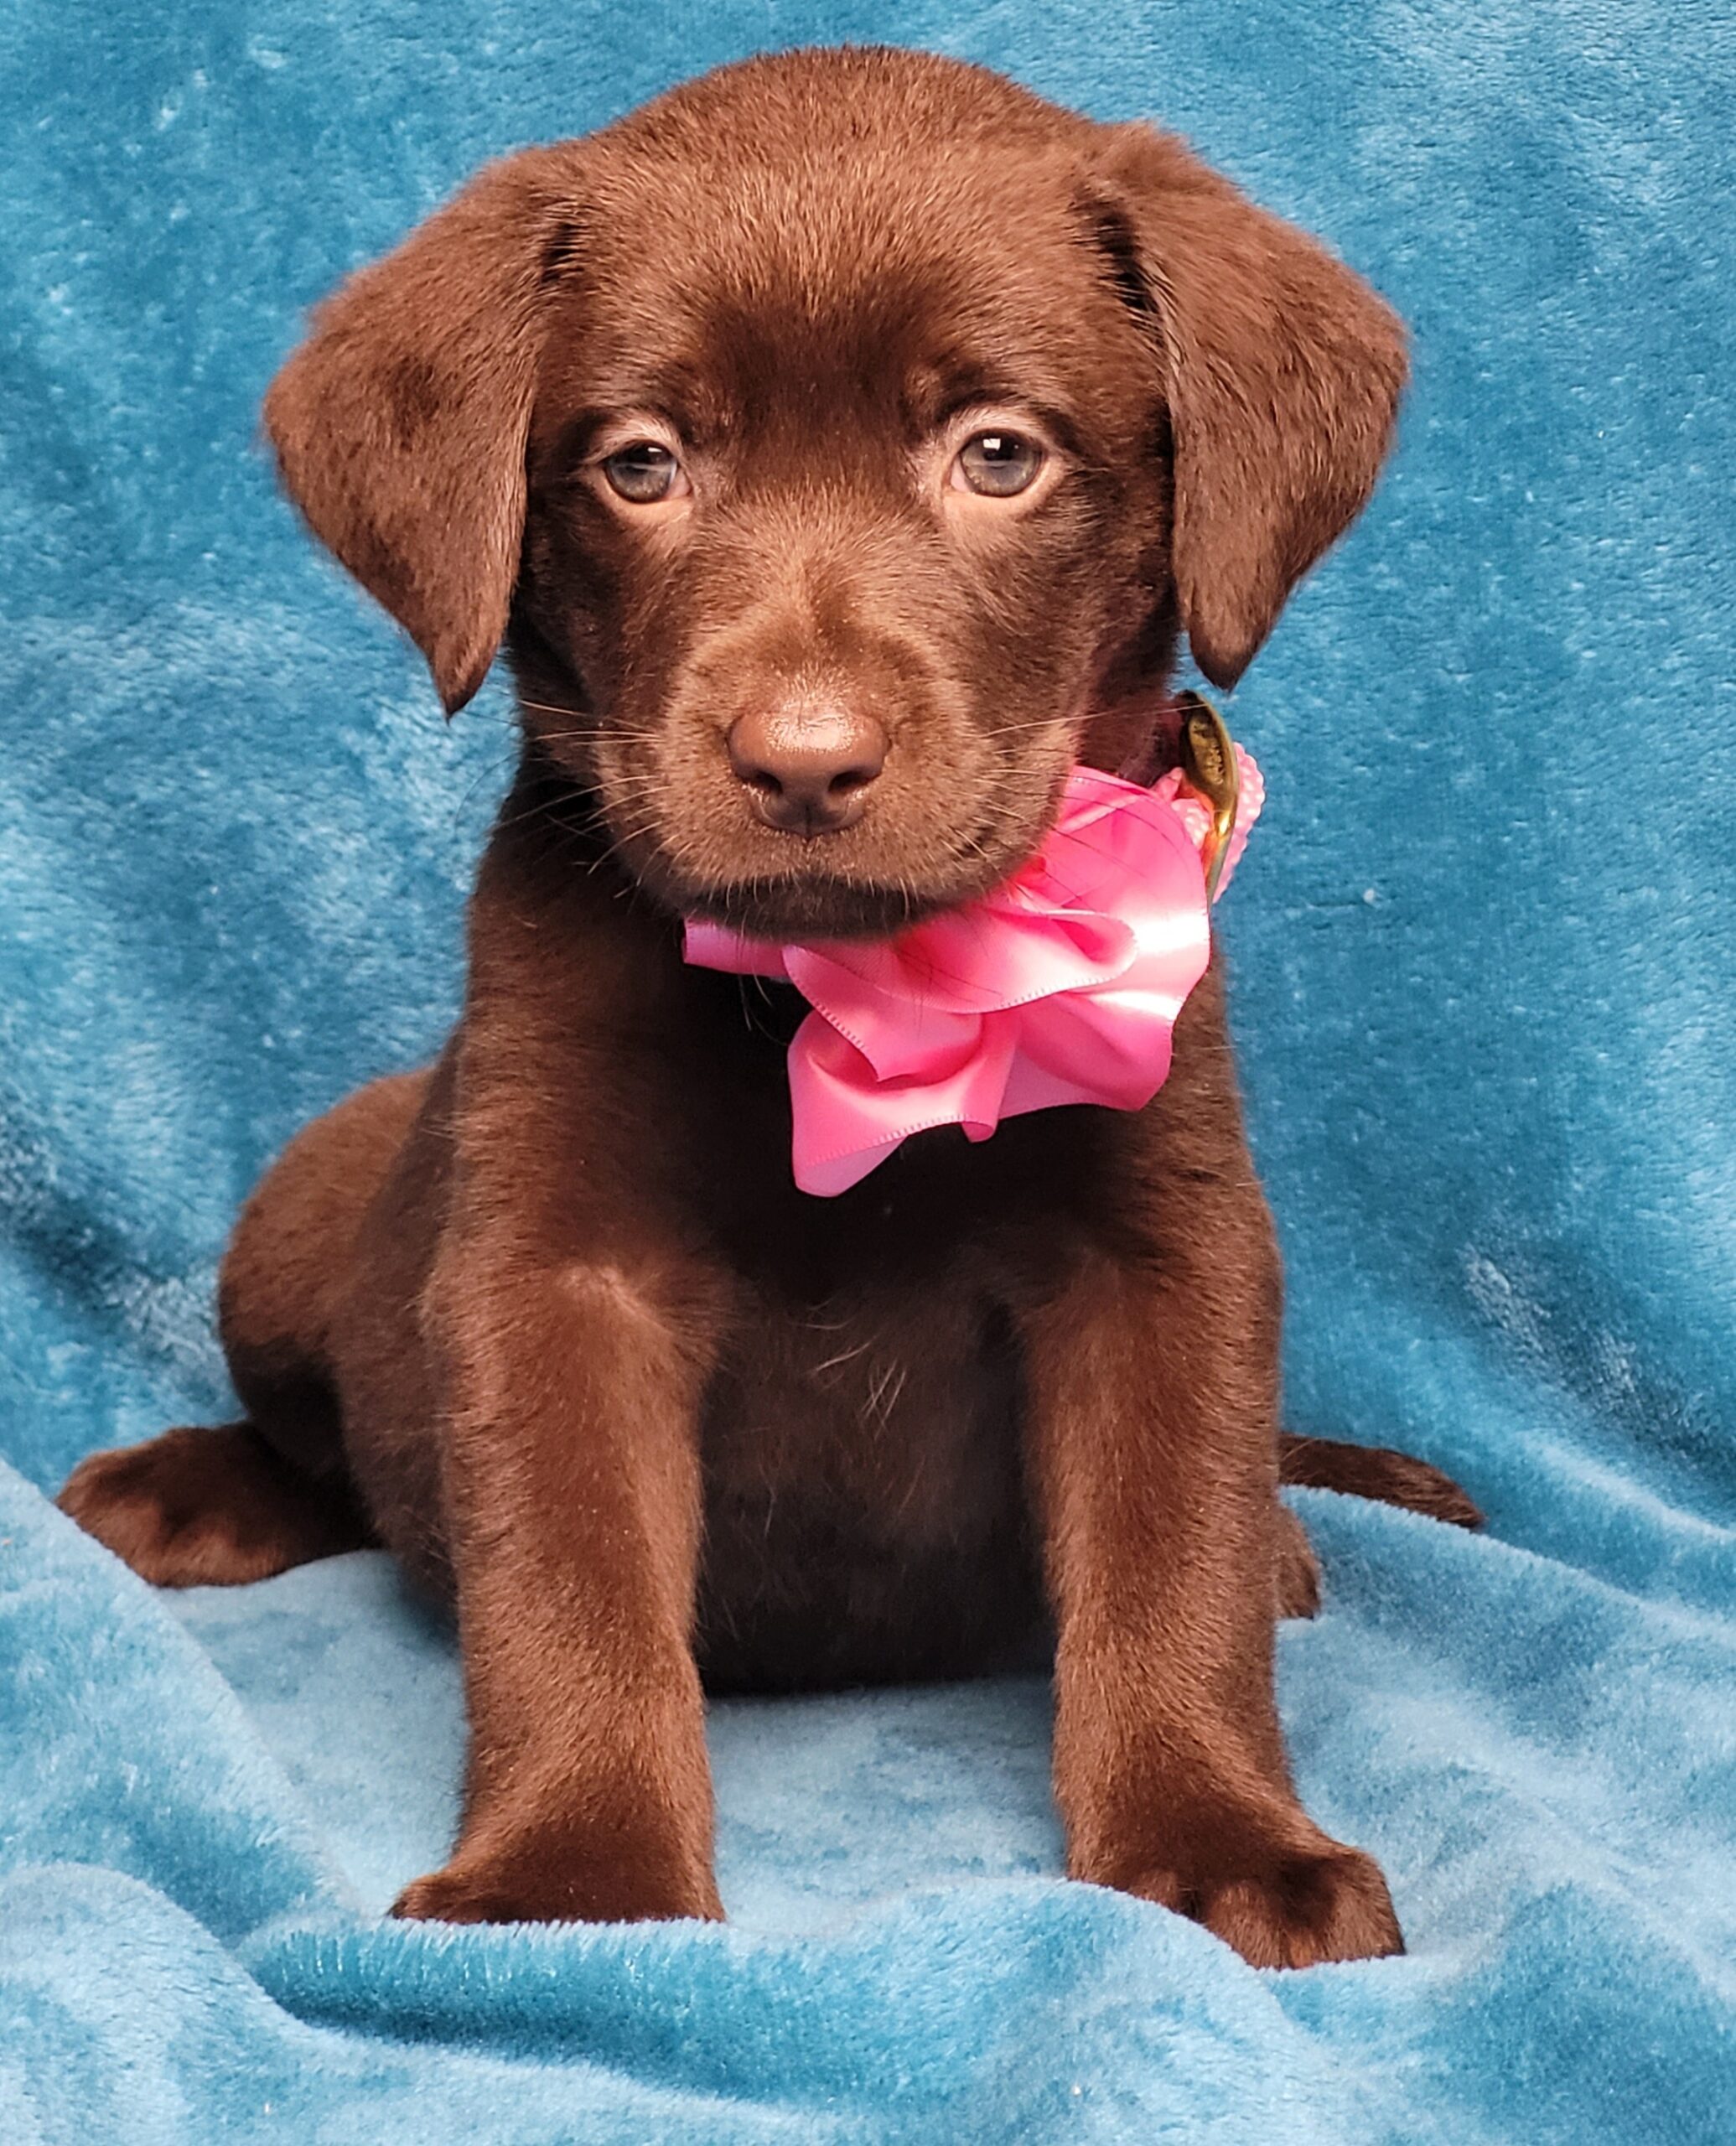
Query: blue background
[1484, 962]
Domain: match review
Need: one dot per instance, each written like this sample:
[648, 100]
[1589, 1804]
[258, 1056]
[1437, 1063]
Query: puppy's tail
[1376, 1471]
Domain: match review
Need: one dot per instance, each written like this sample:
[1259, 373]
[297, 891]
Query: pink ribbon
[1060, 987]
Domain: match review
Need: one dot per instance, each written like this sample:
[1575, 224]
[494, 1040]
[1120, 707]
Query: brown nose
[807, 769]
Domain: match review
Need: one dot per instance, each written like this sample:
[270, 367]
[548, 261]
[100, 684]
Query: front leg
[1153, 1378]
[572, 1500]
[572, 1322]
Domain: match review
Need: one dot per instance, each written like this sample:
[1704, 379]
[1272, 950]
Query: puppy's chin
[812, 908]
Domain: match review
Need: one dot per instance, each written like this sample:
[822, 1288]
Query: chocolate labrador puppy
[839, 445]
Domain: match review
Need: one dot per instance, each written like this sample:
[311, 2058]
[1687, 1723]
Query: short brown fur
[551, 1320]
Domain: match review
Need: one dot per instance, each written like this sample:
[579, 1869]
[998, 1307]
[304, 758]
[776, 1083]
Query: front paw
[554, 1885]
[1292, 1909]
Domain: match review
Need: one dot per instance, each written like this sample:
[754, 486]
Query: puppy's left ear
[400, 424]
[1281, 373]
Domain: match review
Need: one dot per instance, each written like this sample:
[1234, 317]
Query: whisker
[844, 1355]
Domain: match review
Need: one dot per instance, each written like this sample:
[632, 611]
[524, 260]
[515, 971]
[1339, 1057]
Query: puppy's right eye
[645, 472]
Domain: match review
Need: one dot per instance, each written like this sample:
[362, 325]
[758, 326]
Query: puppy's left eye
[645, 472]
[997, 465]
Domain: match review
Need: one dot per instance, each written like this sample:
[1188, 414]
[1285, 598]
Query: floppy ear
[1283, 372]
[400, 424]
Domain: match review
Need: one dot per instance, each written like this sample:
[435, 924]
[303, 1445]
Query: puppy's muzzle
[808, 770]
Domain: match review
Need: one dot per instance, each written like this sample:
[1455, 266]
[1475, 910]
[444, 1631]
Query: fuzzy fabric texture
[1483, 958]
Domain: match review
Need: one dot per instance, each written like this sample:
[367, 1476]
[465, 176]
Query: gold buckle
[1209, 767]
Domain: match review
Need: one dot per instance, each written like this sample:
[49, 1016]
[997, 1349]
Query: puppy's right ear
[400, 424]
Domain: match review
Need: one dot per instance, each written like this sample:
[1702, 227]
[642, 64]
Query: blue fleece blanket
[1484, 959]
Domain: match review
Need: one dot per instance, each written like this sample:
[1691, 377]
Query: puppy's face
[842, 483]
[838, 443]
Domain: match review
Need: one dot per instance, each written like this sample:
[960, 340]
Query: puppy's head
[839, 443]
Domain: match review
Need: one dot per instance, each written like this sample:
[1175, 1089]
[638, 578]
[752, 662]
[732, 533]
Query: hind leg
[211, 1508]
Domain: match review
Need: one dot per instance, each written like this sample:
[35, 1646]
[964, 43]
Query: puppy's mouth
[866, 897]
[709, 858]
[826, 892]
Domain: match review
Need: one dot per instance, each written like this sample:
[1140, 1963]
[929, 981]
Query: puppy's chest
[892, 1402]
[872, 1371]
[864, 1507]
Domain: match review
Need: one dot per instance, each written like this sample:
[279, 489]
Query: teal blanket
[1484, 956]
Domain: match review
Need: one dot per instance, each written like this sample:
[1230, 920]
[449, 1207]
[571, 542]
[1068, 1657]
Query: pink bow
[1060, 987]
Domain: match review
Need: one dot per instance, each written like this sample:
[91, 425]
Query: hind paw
[207, 1508]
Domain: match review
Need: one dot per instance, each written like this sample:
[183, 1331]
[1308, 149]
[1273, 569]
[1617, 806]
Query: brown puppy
[840, 445]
